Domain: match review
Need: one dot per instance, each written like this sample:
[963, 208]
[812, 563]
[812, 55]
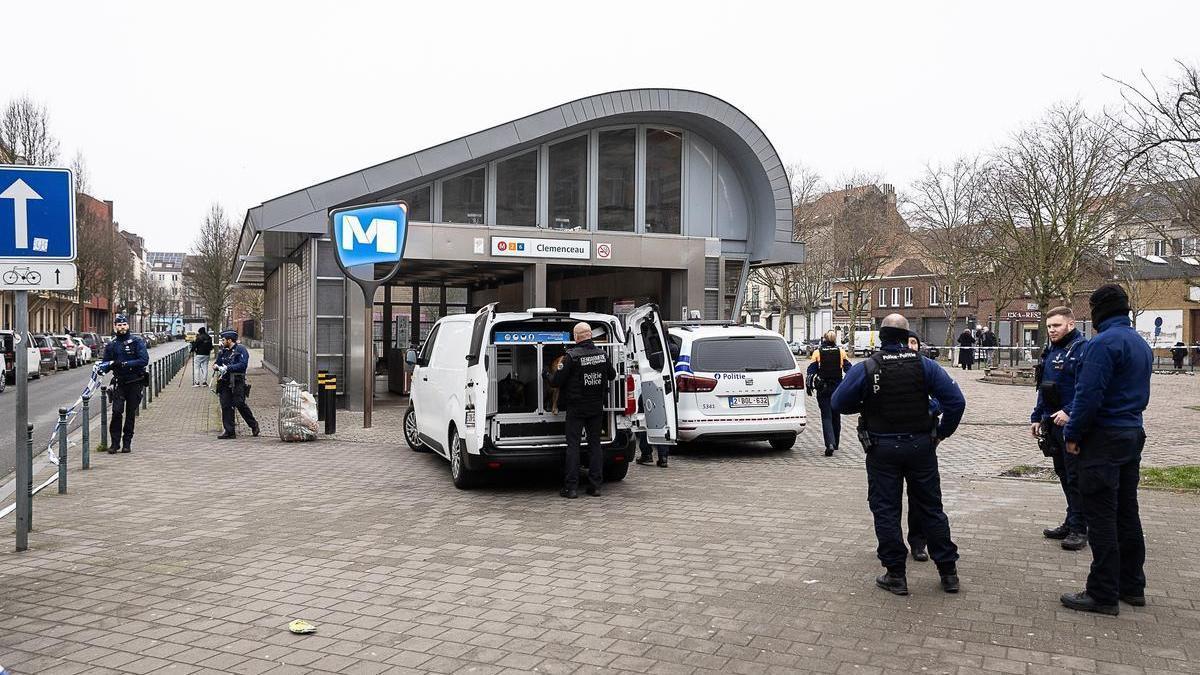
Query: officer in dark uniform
[126, 356]
[582, 379]
[1055, 376]
[1106, 435]
[829, 364]
[892, 389]
[231, 366]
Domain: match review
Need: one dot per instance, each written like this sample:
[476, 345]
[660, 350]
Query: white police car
[736, 383]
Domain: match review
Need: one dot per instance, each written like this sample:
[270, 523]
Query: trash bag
[297, 413]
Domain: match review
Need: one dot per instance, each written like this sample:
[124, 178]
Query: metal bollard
[62, 451]
[331, 405]
[321, 375]
[87, 433]
[148, 395]
[104, 417]
[29, 485]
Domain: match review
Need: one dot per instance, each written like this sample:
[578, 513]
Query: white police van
[478, 397]
[736, 383]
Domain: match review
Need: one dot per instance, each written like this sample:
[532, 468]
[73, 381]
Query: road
[46, 396]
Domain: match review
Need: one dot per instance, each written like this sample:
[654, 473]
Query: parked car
[54, 355]
[75, 350]
[492, 409]
[93, 343]
[737, 383]
[796, 346]
[189, 336]
[150, 338]
[33, 357]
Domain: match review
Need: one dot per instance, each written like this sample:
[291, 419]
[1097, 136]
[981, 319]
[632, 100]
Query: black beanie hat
[1108, 301]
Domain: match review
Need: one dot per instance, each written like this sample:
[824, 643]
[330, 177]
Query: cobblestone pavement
[191, 555]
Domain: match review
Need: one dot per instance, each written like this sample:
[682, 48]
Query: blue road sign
[370, 234]
[37, 213]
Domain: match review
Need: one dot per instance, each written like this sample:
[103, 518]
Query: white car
[33, 356]
[736, 383]
[478, 397]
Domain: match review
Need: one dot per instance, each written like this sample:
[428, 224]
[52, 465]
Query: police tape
[92, 384]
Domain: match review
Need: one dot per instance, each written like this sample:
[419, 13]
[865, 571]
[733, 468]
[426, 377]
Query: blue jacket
[847, 398]
[127, 356]
[235, 360]
[1060, 365]
[1113, 386]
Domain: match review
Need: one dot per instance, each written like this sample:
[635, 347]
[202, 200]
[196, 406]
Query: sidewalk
[192, 555]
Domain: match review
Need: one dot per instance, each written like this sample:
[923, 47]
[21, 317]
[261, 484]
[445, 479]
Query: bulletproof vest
[897, 397]
[586, 389]
[829, 367]
[127, 350]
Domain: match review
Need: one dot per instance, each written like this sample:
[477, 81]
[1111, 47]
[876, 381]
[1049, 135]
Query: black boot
[254, 431]
[1134, 600]
[644, 458]
[892, 583]
[112, 450]
[1082, 602]
[225, 436]
[568, 493]
[1059, 532]
[1074, 541]
[920, 554]
[950, 583]
[663, 462]
[829, 451]
[593, 490]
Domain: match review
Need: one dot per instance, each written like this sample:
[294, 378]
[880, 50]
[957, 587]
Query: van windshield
[742, 355]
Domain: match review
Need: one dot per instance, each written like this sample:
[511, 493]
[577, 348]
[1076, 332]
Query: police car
[736, 383]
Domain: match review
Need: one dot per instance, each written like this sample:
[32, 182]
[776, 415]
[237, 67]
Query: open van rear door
[476, 398]
[650, 356]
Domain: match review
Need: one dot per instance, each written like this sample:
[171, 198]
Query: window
[825, 290]
[837, 299]
[418, 203]
[908, 296]
[933, 296]
[1156, 247]
[618, 165]
[664, 181]
[962, 295]
[896, 297]
[568, 183]
[742, 355]
[462, 197]
[1189, 246]
[516, 190]
[883, 297]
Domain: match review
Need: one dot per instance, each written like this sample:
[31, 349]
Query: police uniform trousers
[1109, 464]
[647, 450]
[125, 401]
[831, 422]
[893, 460]
[1066, 467]
[232, 393]
[916, 535]
[576, 424]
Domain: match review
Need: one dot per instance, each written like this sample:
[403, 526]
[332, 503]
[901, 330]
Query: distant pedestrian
[126, 356]
[202, 348]
[989, 342]
[231, 367]
[1106, 434]
[1178, 354]
[966, 350]
[829, 364]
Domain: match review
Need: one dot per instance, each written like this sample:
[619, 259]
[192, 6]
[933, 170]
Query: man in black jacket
[582, 379]
[202, 348]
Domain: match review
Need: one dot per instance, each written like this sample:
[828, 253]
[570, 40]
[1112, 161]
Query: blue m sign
[371, 234]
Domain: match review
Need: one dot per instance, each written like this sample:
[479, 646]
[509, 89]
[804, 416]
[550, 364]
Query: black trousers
[576, 424]
[234, 397]
[891, 462]
[125, 401]
[1109, 464]
[916, 535]
[1066, 467]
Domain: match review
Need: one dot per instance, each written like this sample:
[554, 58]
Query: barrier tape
[92, 384]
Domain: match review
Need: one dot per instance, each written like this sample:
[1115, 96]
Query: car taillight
[46, 350]
[694, 384]
[630, 401]
[793, 381]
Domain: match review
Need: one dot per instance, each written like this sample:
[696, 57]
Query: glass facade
[568, 184]
[664, 181]
[419, 201]
[616, 189]
[462, 197]
[516, 190]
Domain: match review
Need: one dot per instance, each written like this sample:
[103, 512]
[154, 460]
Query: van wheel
[615, 471]
[464, 478]
[783, 443]
[410, 431]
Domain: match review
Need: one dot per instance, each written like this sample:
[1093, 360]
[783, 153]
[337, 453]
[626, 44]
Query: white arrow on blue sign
[37, 214]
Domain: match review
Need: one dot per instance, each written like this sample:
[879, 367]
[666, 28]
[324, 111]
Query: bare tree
[210, 264]
[867, 229]
[944, 208]
[25, 132]
[1052, 194]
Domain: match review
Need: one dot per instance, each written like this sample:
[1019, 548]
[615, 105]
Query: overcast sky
[177, 105]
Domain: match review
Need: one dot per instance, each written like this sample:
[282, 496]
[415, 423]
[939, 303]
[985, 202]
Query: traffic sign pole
[24, 455]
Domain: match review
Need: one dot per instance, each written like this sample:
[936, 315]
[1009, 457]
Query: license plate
[749, 401]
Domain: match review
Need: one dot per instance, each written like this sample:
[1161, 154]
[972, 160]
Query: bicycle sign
[30, 276]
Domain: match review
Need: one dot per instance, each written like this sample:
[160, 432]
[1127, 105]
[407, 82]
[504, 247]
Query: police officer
[582, 379]
[892, 389]
[1106, 436]
[231, 366]
[829, 364]
[127, 358]
[1055, 376]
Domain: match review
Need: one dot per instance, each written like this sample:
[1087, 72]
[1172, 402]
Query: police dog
[554, 366]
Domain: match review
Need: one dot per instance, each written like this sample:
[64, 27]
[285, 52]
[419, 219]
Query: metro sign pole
[40, 230]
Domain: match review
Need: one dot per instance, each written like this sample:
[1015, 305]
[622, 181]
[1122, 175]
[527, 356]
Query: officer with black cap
[1055, 377]
[126, 356]
[892, 389]
[1106, 435]
[829, 364]
[582, 379]
[231, 366]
